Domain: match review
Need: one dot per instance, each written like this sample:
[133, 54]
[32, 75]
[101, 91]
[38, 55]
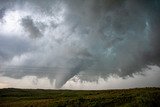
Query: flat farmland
[137, 97]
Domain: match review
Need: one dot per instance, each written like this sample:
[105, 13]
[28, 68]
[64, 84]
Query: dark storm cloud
[115, 27]
[97, 37]
[2, 12]
[30, 28]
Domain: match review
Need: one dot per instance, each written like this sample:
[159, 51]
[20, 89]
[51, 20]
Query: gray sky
[60, 41]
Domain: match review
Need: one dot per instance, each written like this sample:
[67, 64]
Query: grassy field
[138, 97]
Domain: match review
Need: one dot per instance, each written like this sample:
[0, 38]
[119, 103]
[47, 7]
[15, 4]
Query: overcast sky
[79, 44]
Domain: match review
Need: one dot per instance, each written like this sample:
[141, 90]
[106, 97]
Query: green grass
[139, 97]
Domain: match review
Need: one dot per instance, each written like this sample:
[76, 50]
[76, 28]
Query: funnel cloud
[60, 39]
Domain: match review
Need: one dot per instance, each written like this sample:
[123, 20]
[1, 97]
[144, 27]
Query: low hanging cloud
[112, 82]
[94, 38]
[12, 46]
